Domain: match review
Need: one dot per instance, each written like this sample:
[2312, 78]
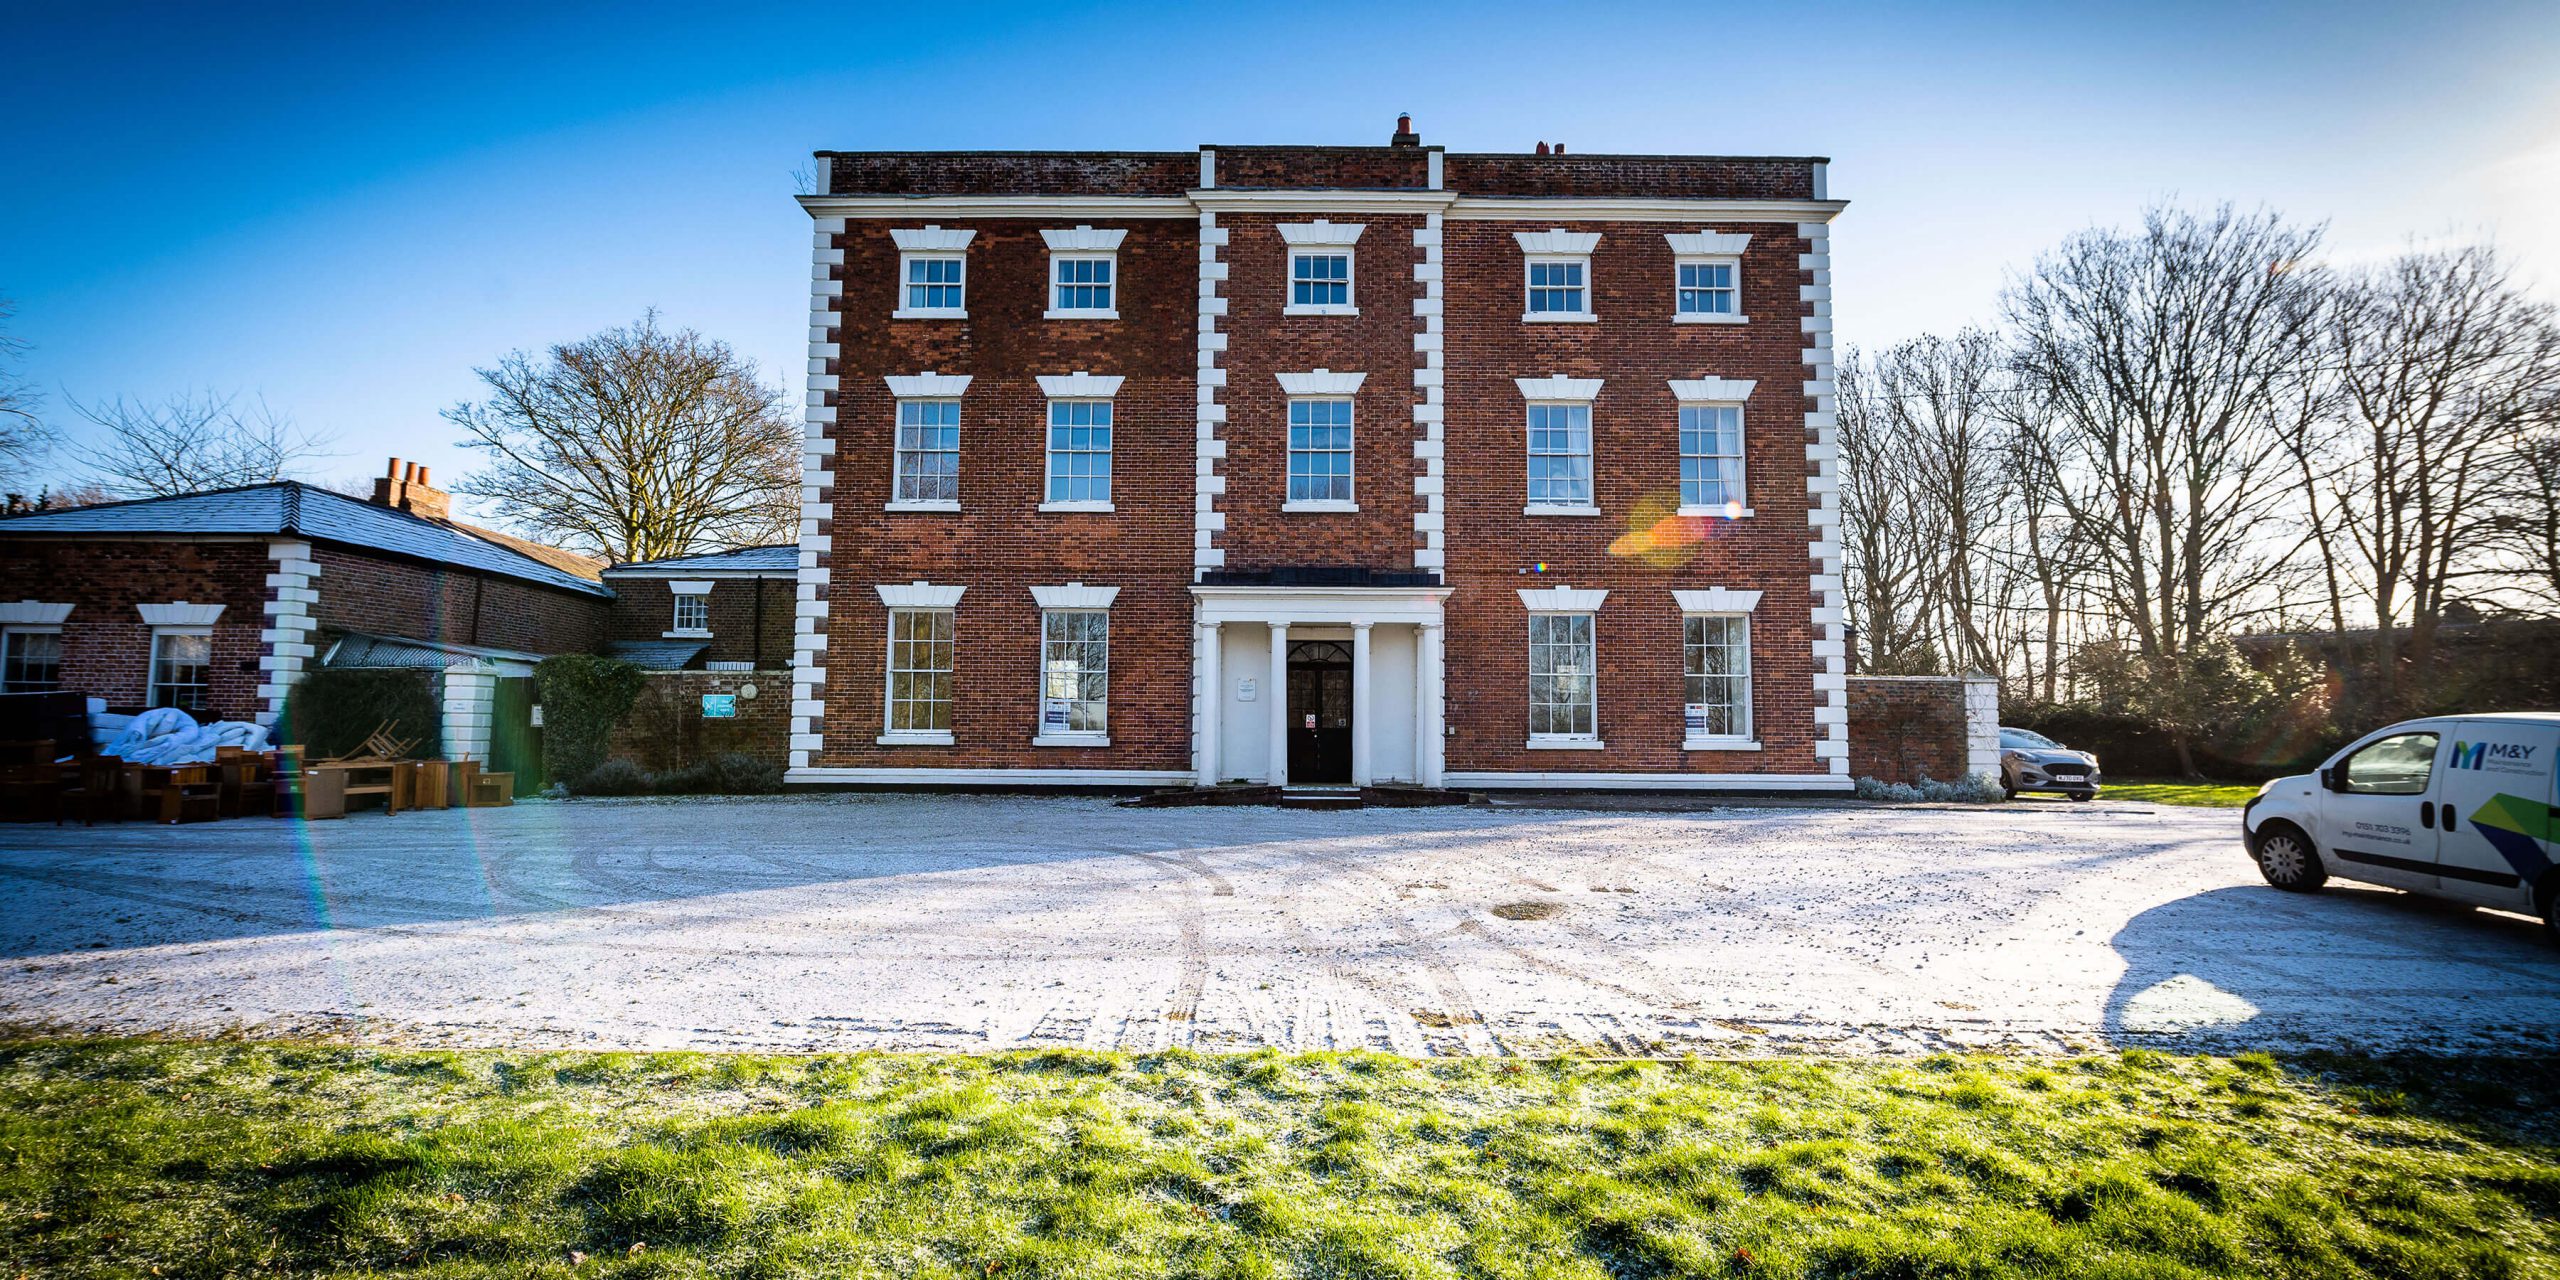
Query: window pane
[1560, 455]
[1710, 455]
[928, 451]
[1079, 451]
[1718, 676]
[181, 666]
[919, 669]
[1562, 679]
[32, 661]
[1319, 451]
[2399, 765]
[1075, 666]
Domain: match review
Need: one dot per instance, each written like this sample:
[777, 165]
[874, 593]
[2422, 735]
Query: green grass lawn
[2204, 795]
[143, 1159]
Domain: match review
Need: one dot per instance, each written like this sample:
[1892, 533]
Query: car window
[2025, 738]
[2399, 765]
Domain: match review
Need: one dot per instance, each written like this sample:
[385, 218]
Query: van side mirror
[2333, 778]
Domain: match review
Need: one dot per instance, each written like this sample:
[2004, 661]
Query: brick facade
[382, 595]
[666, 728]
[1904, 729]
[750, 618]
[106, 646]
[1200, 451]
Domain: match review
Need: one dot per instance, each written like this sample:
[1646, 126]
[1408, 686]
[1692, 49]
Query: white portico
[1328, 675]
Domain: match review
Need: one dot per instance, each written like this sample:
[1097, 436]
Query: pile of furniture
[37, 783]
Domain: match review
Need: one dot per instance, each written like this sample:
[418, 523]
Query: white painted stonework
[287, 636]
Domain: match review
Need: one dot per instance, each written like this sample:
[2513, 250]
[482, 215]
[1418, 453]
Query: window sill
[1071, 740]
[1319, 309]
[916, 738]
[921, 506]
[1727, 512]
[1566, 744]
[1559, 511]
[1558, 317]
[686, 634]
[1707, 317]
[1321, 506]
[1719, 744]
[1057, 313]
[1056, 508]
[930, 313]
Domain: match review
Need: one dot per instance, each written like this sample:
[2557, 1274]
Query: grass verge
[148, 1158]
[2203, 795]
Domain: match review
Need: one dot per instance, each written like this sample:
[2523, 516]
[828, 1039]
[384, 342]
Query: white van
[2459, 807]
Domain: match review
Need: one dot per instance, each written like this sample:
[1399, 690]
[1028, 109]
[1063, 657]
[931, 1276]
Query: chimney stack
[1542, 148]
[404, 487]
[1404, 134]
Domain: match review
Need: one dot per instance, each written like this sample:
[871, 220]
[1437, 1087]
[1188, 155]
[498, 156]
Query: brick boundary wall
[666, 728]
[1904, 727]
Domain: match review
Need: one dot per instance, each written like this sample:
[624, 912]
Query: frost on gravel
[985, 922]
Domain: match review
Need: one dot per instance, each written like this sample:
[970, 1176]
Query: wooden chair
[248, 782]
[94, 786]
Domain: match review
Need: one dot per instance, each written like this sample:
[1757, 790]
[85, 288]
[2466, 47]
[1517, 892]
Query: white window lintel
[919, 595]
[1713, 390]
[1073, 596]
[1561, 600]
[1084, 240]
[1708, 244]
[1321, 382]
[180, 614]
[690, 588]
[927, 385]
[1320, 233]
[34, 613]
[1559, 388]
[1558, 243]
[932, 239]
[1080, 385]
[1717, 600]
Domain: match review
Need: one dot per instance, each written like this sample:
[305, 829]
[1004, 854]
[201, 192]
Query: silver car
[2030, 761]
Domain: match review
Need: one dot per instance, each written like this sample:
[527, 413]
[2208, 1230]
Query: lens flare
[1660, 535]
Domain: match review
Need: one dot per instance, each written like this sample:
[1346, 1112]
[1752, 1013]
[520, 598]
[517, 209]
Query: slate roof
[784, 558]
[291, 508]
[657, 655]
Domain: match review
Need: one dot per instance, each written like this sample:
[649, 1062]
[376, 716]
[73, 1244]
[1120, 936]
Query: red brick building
[219, 602]
[1320, 465]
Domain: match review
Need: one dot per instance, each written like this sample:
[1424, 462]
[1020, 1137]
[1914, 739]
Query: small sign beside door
[1245, 689]
[1053, 715]
[719, 706]
[1311, 719]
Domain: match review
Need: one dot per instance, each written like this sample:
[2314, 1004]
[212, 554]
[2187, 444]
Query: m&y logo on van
[2477, 755]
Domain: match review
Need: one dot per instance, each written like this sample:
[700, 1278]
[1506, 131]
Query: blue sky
[344, 208]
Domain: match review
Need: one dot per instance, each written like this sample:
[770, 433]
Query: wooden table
[162, 792]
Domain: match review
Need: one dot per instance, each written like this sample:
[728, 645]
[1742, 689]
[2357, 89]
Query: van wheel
[2287, 860]
[2551, 910]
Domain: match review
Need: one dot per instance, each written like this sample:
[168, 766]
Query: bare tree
[2442, 368]
[192, 442]
[1885, 554]
[2528, 529]
[24, 438]
[635, 444]
[2164, 359]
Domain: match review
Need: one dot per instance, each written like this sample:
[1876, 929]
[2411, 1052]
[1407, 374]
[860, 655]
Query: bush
[615, 777]
[332, 710]
[583, 698]
[1973, 788]
[729, 774]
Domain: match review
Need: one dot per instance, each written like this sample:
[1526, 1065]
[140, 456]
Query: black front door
[1319, 712]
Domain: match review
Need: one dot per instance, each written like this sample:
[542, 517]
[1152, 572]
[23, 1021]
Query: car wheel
[2008, 792]
[2287, 860]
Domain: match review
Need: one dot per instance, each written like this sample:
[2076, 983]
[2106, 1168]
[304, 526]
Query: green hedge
[332, 710]
[583, 698]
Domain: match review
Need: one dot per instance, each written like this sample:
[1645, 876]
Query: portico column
[1430, 705]
[1212, 703]
[1360, 770]
[1277, 699]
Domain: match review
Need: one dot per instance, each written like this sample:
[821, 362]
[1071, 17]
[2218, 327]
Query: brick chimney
[404, 487]
[1404, 135]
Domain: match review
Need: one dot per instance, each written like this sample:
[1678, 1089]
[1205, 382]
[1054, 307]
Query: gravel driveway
[971, 922]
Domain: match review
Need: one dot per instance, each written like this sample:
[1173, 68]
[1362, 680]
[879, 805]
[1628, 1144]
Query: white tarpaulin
[166, 735]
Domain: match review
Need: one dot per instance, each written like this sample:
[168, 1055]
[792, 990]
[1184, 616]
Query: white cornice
[1321, 232]
[34, 613]
[1558, 240]
[1558, 388]
[932, 239]
[1712, 390]
[1322, 382]
[1074, 595]
[1051, 207]
[180, 614]
[1640, 209]
[1717, 600]
[1561, 600]
[914, 385]
[1084, 240]
[1708, 244]
[1080, 385]
[918, 595]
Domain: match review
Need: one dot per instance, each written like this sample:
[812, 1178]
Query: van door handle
[2445, 820]
[2427, 814]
